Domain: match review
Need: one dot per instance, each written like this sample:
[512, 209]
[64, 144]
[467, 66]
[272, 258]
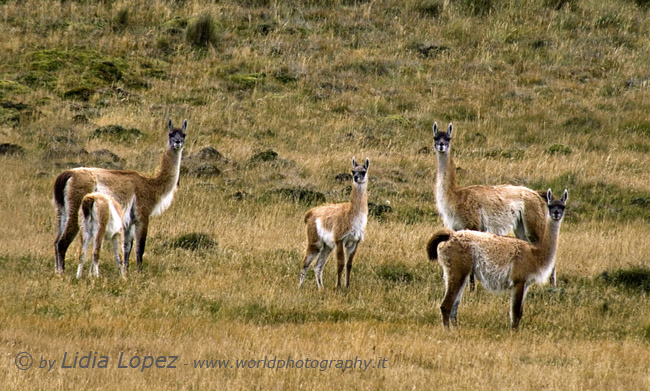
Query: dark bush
[264, 156]
[117, 132]
[300, 194]
[558, 149]
[378, 210]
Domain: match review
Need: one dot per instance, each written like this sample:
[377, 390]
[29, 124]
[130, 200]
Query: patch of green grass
[11, 87]
[641, 128]
[638, 147]
[395, 273]
[600, 201]
[460, 113]
[635, 278]
[76, 68]
[584, 124]
[193, 241]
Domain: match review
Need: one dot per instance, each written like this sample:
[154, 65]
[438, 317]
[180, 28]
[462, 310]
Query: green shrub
[202, 32]
[193, 241]
[395, 273]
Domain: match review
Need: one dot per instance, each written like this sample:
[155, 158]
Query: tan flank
[101, 217]
[494, 209]
[337, 225]
[500, 263]
[140, 196]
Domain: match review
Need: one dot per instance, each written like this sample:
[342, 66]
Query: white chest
[358, 227]
[164, 202]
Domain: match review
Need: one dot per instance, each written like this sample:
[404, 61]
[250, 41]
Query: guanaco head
[177, 136]
[556, 207]
[441, 140]
[359, 172]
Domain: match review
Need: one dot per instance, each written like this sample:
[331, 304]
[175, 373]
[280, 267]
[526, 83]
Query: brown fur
[343, 225]
[136, 193]
[501, 263]
[432, 246]
[95, 220]
[488, 208]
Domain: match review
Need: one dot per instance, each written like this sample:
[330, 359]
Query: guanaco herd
[117, 205]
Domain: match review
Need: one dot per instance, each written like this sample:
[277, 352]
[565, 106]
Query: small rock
[378, 210]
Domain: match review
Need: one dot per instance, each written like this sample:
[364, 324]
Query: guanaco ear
[549, 196]
[435, 129]
[184, 125]
[565, 196]
[354, 162]
[367, 164]
[169, 125]
[449, 129]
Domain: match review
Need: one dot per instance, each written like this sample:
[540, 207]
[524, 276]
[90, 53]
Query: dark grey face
[359, 173]
[441, 140]
[177, 136]
[176, 139]
[556, 210]
[556, 207]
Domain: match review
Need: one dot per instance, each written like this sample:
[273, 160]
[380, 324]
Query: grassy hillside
[279, 97]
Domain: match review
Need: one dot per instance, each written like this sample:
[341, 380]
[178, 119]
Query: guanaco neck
[166, 177]
[547, 247]
[445, 178]
[359, 200]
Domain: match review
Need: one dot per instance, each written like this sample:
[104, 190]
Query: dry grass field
[542, 93]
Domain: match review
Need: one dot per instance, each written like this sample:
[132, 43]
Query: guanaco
[337, 225]
[500, 263]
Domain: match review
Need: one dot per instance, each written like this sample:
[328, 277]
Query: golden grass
[332, 80]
